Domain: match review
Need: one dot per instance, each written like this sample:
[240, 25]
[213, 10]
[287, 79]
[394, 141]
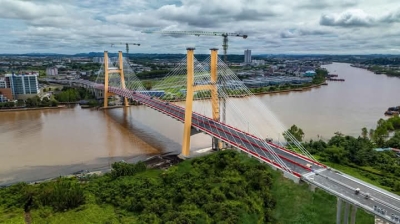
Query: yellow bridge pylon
[108, 71]
[212, 86]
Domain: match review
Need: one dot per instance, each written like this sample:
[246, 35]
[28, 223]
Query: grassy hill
[225, 187]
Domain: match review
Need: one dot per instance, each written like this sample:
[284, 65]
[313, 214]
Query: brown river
[47, 143]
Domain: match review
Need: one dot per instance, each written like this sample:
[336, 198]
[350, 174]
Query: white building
[257, 62]
[52, 71]
[98, 59]
[3, 83]
[247, 56]
[23, 84]
[3, 98]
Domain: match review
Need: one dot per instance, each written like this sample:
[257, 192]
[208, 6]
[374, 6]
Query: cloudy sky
[273, 26]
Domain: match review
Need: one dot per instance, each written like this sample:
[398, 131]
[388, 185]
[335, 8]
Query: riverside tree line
[380, 167]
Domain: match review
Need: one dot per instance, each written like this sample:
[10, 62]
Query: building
[3, 83]
[309, 74]
[98, 59]
[5, 91]
[247, 56]
[23, 86]
[3, 98]
[257, 62]
[52, 71]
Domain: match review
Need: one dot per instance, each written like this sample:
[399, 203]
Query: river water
[47, 143]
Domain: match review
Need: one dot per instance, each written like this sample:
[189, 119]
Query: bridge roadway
[319, 175]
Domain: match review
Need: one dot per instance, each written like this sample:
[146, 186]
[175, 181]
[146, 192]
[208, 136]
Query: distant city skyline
[273, 27]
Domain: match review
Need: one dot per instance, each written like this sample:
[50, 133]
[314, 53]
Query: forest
[357, 155]
[223, 187]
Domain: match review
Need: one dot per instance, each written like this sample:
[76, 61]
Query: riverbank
[294, 89]
[379, 70]
[299, 89]
[35, 108]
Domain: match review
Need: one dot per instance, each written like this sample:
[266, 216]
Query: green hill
[224, 187]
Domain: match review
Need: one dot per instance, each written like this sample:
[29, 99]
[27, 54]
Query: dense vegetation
[357, 155]
[31, 103]
[82, 66]
[219, 188]
[384, 70]
[224, 187]
[383, 61]
[73, 95]
[153, 74]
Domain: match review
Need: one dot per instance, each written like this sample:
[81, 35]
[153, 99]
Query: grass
[15, 216]
[297, 204]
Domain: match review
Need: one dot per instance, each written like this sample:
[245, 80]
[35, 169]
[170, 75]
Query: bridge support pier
[346, 213]
[212, 87]
[339, 211]
[353, 214]
[107, 71]
[189, 103]
[347, 207]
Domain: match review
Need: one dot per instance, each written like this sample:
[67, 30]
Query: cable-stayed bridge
[205, 83]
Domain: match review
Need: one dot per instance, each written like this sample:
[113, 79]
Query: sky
[272, 26]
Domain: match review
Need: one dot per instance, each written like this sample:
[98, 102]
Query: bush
[61, 195]
[121, 169]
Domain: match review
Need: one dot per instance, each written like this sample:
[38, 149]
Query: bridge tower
[191, 87]
[107, 71]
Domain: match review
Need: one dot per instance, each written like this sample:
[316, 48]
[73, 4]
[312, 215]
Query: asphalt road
[344, 186]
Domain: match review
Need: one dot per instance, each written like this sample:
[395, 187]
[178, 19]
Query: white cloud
[14, 9]
[273, 26]
[349, 18]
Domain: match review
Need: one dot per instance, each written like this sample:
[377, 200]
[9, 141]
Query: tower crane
[127, 46]
[205, 33]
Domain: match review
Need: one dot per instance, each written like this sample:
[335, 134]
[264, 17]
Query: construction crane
[205, 33]
[127, 46]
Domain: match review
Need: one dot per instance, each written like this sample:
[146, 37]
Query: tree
[20, 103]
[371, 133]
[9, 104]
[45, 102]
[336, 155]
[364, 132]
[295, 132]
[394, 141]
[337, 140]
[32, 102]
[53, 103]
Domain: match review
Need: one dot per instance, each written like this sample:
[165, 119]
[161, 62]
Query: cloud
[272, 26]
[323, 4]
[349, 18]
[301, 32]
[25, 10]
[142, 20]
[391, 17]
[358, 18]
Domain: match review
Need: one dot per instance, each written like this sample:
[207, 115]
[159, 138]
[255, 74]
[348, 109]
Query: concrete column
[346, 213]
[312, 187]
[338, 211]
[353, 215]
